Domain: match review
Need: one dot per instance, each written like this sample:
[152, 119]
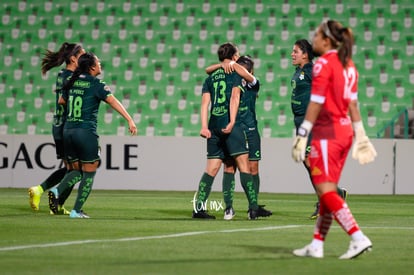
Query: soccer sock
[247, 184]
[69, 180]
[85, 188]
[342, 214]
[53, 179]
[323, 224]
[256, 183]
[228, 189]
[204, 189]
[66, 193]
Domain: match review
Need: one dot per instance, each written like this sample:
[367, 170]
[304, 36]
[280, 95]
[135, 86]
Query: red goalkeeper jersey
[334, 87]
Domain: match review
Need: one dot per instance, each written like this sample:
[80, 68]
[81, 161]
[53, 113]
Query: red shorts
[327, 158]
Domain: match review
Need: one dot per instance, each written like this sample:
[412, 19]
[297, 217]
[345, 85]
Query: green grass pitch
[145, 232]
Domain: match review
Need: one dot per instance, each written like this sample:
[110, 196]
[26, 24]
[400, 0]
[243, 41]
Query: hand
[301, 141]
[228, 128]
[205, 133]
[299, 148]
[228, 66]
[363, 150]
[132, 128]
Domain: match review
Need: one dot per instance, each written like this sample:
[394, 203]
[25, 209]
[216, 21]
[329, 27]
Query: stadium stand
[154, 54]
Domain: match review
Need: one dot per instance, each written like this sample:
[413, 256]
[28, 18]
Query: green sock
[85, 188]
[204, 189]
[69, 180]
[256, 183]
[228, 189]
[247, 184]
[53, 179]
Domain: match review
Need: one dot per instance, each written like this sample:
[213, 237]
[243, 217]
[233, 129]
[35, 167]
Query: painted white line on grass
[177, 235]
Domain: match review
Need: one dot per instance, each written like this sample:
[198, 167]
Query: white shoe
[229, 214]
[356, 248]
[309, 251]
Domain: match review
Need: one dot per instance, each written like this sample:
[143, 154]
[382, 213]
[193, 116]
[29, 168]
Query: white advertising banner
[171, 163]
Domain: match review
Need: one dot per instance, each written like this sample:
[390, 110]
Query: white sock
[317, 243]
[357, 236]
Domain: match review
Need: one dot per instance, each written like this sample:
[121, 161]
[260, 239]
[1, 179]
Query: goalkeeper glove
[363, 150]
[301, 140]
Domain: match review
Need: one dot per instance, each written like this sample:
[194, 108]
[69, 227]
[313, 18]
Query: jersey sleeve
[320, 74]
[206, 86]
[103, 90]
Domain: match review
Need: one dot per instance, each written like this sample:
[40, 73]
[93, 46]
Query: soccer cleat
[252, 214]
[61, 211]
[315, 213]
[356, 248]
[202, 215]
[78, 215]
[53, 200]
[35, 192]
[262, 212]
[229, 213]
[344, 193]
[309, 251]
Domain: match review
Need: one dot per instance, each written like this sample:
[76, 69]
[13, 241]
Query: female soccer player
[246, 118]
[68, 53]
[302, 56]
[333, 96]
[82, 95]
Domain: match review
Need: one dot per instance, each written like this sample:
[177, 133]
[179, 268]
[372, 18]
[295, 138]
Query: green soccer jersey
[247, 108]
[83, 101]
[220, 85]
[301, 88]
[60, 110]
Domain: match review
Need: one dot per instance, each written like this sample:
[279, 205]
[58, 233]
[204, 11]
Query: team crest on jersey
[302, 76]
[244, 83]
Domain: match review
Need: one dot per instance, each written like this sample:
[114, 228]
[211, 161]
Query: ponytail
[341, 38]
[54, 59]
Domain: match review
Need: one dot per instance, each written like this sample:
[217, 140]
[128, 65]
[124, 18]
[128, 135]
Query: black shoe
[262, 212]
[344, 193]
[202, 215]
[315, 214]
[53, 201]
[252, 214]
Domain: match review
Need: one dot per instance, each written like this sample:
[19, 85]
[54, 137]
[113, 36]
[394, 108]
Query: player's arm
[205, 103]
[234, 108]
[240, 70]
[117, 106]
[212, 68]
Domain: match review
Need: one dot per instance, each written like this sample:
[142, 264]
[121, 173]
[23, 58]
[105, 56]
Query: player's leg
[88, 146]
[35, 192]
[228, 188]
[204, 189]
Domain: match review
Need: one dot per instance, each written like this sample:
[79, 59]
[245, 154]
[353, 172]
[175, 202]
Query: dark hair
[341, 39]
[226, 51]
[54, 59]
[85, 62]
[305, 47]
[246, 61]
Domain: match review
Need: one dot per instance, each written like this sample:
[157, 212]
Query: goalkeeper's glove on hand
[301, 140]
[363, 150]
